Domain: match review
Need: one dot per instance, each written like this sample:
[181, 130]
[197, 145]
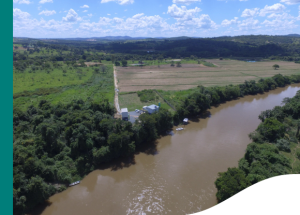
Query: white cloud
[249, 24]
[290, 2]
[72, 16]
[90, 14]
[46, 1]
[84, 6]
[243, 0]
[187, 2]
[182, 13]
[22, 1]
[227, 22]
[121, 2]
[24, 25]
[203, 22]
[139, 15]
[282, 21]
[276, 8]
[108, 14]
[85, 11]
[250, 12]
[279, 24]
[47, 12]
[20, 15]
[138, 24]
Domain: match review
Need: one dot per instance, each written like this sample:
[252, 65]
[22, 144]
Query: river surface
[175, 176]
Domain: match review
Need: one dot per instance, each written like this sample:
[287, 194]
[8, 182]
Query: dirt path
[116, 92]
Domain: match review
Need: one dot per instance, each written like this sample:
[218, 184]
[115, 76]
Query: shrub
[271, 129]
[146, 95]
[283, 145]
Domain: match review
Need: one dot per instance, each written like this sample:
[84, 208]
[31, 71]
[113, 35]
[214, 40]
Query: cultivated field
[188, 76]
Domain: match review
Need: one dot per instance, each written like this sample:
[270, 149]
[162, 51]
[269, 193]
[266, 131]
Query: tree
[103, 68]
[124, 63]
[221, 58]
[271, 129]
[231, 182]
[117, 63]
[97, 70]
[113, 58]
[172, 64]
[178, 64]
[275, 66]
[283, 145]
[298, 128]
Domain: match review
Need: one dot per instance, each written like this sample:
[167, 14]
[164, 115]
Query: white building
[151, 109]
[124, 112]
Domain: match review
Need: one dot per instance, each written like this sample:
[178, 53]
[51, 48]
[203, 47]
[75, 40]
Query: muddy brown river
[176, 176]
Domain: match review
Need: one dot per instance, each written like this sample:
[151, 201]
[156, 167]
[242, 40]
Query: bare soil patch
[92, 63]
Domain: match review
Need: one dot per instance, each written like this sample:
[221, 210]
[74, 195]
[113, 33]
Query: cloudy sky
[154, 18]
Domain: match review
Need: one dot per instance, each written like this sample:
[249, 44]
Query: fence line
[165, 100]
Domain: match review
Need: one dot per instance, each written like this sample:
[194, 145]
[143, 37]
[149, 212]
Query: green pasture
[31, 80]
[95, 88]
[131, 101]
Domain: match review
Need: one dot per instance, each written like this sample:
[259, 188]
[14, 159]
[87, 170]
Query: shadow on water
[39, 208]
[147, 148]
[118, 163]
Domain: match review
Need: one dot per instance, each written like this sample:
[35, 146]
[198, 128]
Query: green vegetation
[147, 95]
[275, 150]
[132, 101]
[32, 78]
[64, 142]
[276, 66]
[63, 118]
[99, 86]
[201, 98]
[205, 63]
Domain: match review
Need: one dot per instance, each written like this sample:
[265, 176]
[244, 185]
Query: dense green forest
[62, 143]
[273, 152]
[273, 47]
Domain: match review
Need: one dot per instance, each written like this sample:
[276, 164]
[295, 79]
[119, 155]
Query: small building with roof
[151, 108]
[124, 112]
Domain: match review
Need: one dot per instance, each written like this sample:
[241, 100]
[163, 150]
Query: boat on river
[74, 183]
[179, 129]
[185, 120]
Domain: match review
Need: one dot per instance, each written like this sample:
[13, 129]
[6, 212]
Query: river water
[175, 176]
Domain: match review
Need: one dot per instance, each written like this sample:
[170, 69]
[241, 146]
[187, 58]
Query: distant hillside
[293, 35]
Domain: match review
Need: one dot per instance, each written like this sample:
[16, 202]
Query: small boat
[74, 183]
[179, 129]
[185, 120]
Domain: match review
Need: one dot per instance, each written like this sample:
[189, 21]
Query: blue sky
[154, 18]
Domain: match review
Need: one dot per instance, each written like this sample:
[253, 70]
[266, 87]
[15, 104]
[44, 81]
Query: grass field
[189, 76]
[97, 87]
[132, 102]
[32, 80]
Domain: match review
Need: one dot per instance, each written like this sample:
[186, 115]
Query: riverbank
[68, 144]
[274, 151]
[176, 173]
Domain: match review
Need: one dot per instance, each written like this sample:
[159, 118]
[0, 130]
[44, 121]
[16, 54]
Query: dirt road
[116, 92]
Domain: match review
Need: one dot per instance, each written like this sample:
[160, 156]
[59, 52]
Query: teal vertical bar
[6, 126]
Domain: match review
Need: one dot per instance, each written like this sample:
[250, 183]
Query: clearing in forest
[188, 76]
